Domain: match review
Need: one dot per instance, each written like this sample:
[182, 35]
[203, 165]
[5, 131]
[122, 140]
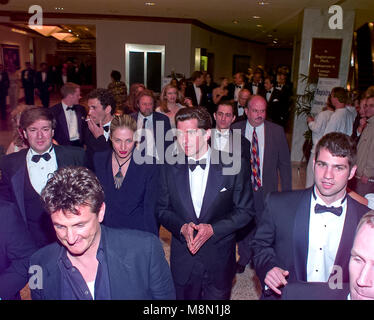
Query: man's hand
[97, 131]
[275, 278]
[204, 232]
[309, 119]
[187, 232]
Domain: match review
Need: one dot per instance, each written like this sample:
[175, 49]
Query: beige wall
[224, 48]
[111, 37]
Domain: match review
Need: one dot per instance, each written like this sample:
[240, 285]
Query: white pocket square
[275, 100]
[223, 190]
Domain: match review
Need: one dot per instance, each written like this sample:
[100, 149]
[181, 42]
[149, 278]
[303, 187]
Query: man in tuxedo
[269, 158]
[4, 86]
[28, 83]
[195, 90]
[203, 206]
[154, 126]
[91, 261]
[101, 106]
[43, 84]
[241, 104]
[275, 110]
[16, 247]
[25, 173]
[70, 116]
[256, 86]
[306, 235]
[235, 87]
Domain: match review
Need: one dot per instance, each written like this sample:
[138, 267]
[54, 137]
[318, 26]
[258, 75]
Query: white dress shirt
[325, 231]
[221, 140]
[41, 171]
[318, 126]
[198, 94]
[254, 89]
[260, 131]
[72, 122]
[237, 90]
[44, 76]
[198, 180]
[268, 94]
[107, 134]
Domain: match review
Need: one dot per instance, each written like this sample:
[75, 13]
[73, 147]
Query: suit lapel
[183, 183]
[301, 235]
[18, 185]
[347, 237]
[62, 120]
[213, 186]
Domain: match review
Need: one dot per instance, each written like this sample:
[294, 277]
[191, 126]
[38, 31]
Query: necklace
[118, 178]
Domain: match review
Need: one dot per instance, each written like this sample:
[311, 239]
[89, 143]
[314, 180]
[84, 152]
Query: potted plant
[303, 106]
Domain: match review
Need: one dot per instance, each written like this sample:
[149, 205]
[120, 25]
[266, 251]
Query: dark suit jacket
[260, 90]
[30, 80]
[4, 83]
[231, 88]
[276, 157]
[281, 239]
[61, 131]
[16, 247]
[42, 86]
[162, 119]
[227, 206]
[136, 262]
[277, 110]
[134, 204]
[190, 93]
[13, 168]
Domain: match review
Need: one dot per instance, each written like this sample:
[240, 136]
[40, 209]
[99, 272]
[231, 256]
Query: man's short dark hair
[68, 88]
[105, 98]
[204, 120]
[71, 187]
[195, 75]
[30, 115]
[226, 103]
[339, 145]
[116, 75]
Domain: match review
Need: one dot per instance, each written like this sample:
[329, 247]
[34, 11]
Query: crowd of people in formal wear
[85, 189]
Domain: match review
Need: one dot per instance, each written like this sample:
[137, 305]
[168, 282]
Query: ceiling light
[150, 4]
[59, 8]
[45, 30]
[18, 31]
[263, 3]
[61, 35]
[270, 35]
[235, 21]
[259, 25]
[256, 17]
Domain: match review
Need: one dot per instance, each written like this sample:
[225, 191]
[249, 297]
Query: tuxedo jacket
[42, 86]
[276, 157]
[190, 93]
[4, 83]
[227, 206]
[29, 81]
[61, 131]
[231, 89]
[158, 117]
[137, 267]
[16, 247]
[260, 90]
[281, 239]
[13, 168]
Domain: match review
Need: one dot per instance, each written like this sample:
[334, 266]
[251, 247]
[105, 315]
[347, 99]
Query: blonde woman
[169, 104]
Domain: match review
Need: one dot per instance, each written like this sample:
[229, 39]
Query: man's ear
[101, 212]
[108, 109]
[353, 172]
[24, 134]
[215, 116]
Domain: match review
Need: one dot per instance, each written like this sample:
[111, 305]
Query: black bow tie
[321, 209]
[238, 86]
[254, 85]
[36, 157]
[106, 128]
[72, 108]
[192, 166]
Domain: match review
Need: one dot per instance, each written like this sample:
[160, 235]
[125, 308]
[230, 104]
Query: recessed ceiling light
[256, 17]
[235, 21]
[263, 3]
[275, 41]
[69, 30]
[270, 35]
[259, 25]
[150, 4]
[59, 8]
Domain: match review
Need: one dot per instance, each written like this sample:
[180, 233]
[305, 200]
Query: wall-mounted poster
[325, 58]
[10, 55]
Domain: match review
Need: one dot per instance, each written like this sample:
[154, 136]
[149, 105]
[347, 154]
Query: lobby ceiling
[273, 22]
